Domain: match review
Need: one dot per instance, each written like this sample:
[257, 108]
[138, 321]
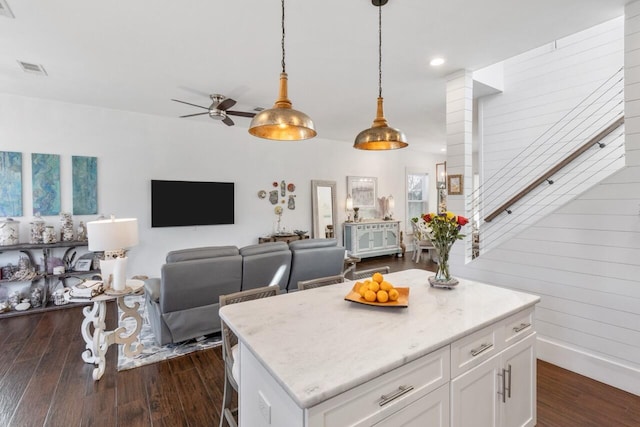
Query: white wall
[133, 148]
[584, 258]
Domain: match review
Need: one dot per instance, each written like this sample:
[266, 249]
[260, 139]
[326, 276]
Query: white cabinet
[372, 238]
[500, 389]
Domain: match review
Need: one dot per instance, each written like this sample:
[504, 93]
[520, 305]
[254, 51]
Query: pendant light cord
[379, 50]
[283, 64]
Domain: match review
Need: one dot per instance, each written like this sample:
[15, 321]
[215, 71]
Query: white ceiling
[136, 55]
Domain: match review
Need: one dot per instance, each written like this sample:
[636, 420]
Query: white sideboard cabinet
[372, 238]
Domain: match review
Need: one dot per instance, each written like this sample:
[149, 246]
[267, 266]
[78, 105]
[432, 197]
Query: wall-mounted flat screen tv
[183, 203]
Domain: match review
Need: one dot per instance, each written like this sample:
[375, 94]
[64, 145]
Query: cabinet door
[392, 238]
[431, 410]
[474, 396]
[520, 361]
[364, 239]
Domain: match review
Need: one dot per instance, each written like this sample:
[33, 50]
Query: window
[417, 195]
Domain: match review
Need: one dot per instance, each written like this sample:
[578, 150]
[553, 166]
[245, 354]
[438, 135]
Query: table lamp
[113, 236]
[348, 207]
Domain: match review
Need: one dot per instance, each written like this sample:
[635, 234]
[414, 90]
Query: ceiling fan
[219, 109]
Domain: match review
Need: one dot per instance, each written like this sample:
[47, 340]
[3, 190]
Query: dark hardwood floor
[44, 382]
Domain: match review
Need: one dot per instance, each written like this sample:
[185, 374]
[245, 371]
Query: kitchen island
[452, 357]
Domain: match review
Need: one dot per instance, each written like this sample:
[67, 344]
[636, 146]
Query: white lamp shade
[349, 204]
[112, 234]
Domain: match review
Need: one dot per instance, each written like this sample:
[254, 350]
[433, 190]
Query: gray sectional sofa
[183, 302]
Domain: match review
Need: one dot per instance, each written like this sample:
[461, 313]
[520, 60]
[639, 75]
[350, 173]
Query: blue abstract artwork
[85, 185]
[45, 177]
[10, 183]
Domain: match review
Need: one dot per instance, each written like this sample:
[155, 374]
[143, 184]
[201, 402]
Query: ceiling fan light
[281, 122]
[380, 136]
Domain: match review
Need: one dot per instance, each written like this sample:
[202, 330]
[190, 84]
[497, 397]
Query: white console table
[372, 238]
[461, 357]
[94, 332]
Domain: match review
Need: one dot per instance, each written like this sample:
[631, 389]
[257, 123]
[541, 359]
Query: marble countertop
[317, 345]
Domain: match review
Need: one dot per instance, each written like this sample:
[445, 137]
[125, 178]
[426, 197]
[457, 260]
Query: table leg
[98, 341]
[131, 344]
[93, 320]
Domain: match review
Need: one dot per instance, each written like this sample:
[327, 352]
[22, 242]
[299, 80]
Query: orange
[370, 296]
[363, 288]
[386, 286]
[374, 286]
[383, 296]
[377, 277]
[393, 294]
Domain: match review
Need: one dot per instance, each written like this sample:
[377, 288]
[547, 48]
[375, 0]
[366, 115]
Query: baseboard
[613, 373]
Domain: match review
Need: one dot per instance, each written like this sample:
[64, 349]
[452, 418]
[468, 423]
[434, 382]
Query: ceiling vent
[5, 10]
[32, 68]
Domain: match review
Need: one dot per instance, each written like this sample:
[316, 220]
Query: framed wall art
[10, 183]
[455, 184]
[45, 176]
[363, 191]
[85, 185]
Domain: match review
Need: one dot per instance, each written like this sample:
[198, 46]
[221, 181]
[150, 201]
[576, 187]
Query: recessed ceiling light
[443, 149]
[436, 62]
[5, 10]
[28, 67]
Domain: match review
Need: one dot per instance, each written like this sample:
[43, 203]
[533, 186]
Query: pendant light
[282, 122]
[380, 136]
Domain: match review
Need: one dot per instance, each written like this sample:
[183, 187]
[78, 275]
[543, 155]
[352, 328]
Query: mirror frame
[315, 183]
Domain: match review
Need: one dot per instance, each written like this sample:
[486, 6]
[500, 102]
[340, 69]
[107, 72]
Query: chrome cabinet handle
[503, 393]
[386, 398]
[508, 389]
[482, 348]
[521, 327]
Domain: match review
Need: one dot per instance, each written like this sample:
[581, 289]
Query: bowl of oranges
[377, 291]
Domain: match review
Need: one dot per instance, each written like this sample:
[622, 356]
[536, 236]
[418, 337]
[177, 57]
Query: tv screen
[182, 203]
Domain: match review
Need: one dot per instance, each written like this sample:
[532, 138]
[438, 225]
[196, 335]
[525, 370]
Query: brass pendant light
[282, 122]
[380, 136]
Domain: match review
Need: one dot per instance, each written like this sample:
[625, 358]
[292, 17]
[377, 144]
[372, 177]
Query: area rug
[152, 353]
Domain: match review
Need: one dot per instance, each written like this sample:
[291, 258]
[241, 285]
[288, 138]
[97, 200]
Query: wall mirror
[323, 204]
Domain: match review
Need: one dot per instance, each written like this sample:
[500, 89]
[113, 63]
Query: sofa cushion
[263, 248]
[201, 253]
[312, 243]
[265, 264]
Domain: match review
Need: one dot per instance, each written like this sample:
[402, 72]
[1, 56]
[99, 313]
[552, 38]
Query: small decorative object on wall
[454, 182]
[45, 172]
[291, 187]
[273, 197]
[363, 191]
[85, 185]
[262, 194]
[10, 183]
[292, 203]
[283, 189]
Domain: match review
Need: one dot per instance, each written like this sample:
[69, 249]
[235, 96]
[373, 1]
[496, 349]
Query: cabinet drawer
[518, 326]
[376, 399]
[474, 349]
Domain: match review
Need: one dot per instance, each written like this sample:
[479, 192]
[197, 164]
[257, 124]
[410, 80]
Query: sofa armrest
[152, 288]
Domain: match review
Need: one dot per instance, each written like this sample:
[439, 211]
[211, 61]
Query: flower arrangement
[443, 230]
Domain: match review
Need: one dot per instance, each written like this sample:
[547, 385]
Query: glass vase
[443, 278]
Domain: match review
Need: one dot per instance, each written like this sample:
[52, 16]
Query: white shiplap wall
[584, 258]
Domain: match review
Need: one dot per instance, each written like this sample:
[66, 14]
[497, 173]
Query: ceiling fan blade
[227, 121]
[226, 103]
[192, 115]
[188, 103]
[241, 113]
